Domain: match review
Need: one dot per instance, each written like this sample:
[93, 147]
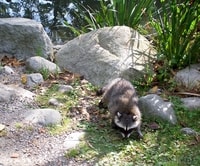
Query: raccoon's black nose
[127, 136]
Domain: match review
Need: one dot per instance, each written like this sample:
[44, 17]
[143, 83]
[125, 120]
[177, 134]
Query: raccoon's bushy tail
[100, 92]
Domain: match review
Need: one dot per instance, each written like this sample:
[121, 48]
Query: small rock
[188, 131]
[43, 116]
[73, 140]
[189, 77]
[65, 88]
[191, 102]
[34, 79]
[54, 102]
[39, 63]
[2, 127]
[8, 70]
[5, 94]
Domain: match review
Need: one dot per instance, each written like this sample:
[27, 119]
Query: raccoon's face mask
[125, 123]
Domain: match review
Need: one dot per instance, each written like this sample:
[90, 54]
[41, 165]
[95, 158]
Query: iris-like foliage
[176, 24]
[112, 13]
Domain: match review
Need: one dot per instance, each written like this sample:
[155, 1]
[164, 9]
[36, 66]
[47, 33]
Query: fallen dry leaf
[24, 79]
[154, 89]
[14, 155]
[11, 61]
[153, 126]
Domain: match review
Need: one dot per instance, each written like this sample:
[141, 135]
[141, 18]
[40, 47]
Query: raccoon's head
[126, 123]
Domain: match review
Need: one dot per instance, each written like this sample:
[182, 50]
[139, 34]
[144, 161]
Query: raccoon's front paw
[140, 135]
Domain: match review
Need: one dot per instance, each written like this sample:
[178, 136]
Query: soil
[30, 145]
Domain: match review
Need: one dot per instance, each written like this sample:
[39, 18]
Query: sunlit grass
[166, 146]
[103, 145]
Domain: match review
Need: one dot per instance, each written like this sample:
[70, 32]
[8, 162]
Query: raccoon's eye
[134, 117]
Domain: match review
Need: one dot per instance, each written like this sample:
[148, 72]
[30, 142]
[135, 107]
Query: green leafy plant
[19, 125]
[45, 73]
[177, 39]
[39, 52]
[112, 13]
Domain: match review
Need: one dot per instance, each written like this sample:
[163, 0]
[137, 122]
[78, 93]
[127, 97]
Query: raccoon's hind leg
[100, 92]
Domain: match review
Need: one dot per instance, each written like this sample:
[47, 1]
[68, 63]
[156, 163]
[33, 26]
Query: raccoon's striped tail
[100, 92]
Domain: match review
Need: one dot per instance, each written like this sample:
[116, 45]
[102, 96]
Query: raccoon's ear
[119, 114]
[135, 117]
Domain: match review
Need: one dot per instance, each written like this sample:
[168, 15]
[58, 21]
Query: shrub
[177, 39]
[112, 13]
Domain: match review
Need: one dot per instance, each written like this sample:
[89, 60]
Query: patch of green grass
[44, 98]
[186, 117]
[102, 145]
[45, 73]
[56, 129]
[19, 125]
[166, 146]
[68, 99]
[39, 52]
[3, 133]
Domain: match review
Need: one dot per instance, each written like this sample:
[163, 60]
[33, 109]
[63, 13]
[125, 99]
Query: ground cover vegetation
[163, 144]
[173, 28]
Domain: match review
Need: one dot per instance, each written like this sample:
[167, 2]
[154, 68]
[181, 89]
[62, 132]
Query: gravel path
[28, 145]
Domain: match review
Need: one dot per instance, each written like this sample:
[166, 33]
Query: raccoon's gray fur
[122, 102]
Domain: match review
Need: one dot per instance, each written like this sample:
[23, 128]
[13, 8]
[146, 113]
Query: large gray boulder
[152, 106]
[24, 38]
[189, 78]
[104, 54]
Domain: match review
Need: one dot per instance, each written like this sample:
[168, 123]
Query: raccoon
[121, 100]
